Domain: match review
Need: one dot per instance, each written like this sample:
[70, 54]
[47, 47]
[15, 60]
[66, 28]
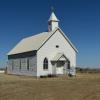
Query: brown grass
[81, 87]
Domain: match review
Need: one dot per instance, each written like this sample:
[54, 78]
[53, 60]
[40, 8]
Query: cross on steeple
[52, 9]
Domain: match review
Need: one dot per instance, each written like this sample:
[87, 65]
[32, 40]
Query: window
[12, 64]
[68, 64]
[45, 63]
[20, 64]
[27, 64]
[57, 46]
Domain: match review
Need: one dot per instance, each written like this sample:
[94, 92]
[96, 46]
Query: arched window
[45, 63]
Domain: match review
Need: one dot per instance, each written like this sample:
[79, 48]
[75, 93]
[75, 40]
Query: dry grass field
[82, 87]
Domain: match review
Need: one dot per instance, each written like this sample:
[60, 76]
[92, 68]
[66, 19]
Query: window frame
[12, 64]
[28, 66]
[68, 64]
[20, 64]
[45, 64]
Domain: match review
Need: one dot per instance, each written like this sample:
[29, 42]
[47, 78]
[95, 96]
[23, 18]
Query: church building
[47, 53]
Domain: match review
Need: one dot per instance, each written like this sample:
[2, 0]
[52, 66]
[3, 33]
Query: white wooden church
[47, 53]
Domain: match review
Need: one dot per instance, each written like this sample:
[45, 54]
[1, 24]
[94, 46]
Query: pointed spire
[53, 17]
[53, 21]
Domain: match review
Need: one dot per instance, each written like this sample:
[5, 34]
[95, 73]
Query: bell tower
[53, 22]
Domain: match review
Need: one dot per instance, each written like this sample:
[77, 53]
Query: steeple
[52, 22]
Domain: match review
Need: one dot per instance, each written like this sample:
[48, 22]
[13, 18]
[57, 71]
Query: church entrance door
[60, 67]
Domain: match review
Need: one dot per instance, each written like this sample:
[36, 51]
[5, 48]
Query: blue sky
[79, 19]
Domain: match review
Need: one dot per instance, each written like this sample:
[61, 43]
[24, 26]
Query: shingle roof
[35, 42]
[29, 43]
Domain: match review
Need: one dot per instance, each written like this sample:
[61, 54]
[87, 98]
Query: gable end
[63, 36]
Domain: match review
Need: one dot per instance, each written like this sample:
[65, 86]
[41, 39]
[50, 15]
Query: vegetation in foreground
[88, 70]
[82, 87]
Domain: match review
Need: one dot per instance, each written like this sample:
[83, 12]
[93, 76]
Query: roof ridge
[34, 35]
[35, 42]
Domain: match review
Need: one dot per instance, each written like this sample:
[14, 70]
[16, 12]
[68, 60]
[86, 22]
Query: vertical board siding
[16, 64]
[9, 66]
[24, 64]
[19, 66]
[32, 65]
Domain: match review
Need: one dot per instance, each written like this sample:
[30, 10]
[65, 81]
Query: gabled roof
[36, 42]
[72, 45]
[67, 39]
[58, 56]
[53, 17]
[30, 43]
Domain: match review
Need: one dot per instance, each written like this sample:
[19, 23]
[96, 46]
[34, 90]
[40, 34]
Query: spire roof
[53, 17]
